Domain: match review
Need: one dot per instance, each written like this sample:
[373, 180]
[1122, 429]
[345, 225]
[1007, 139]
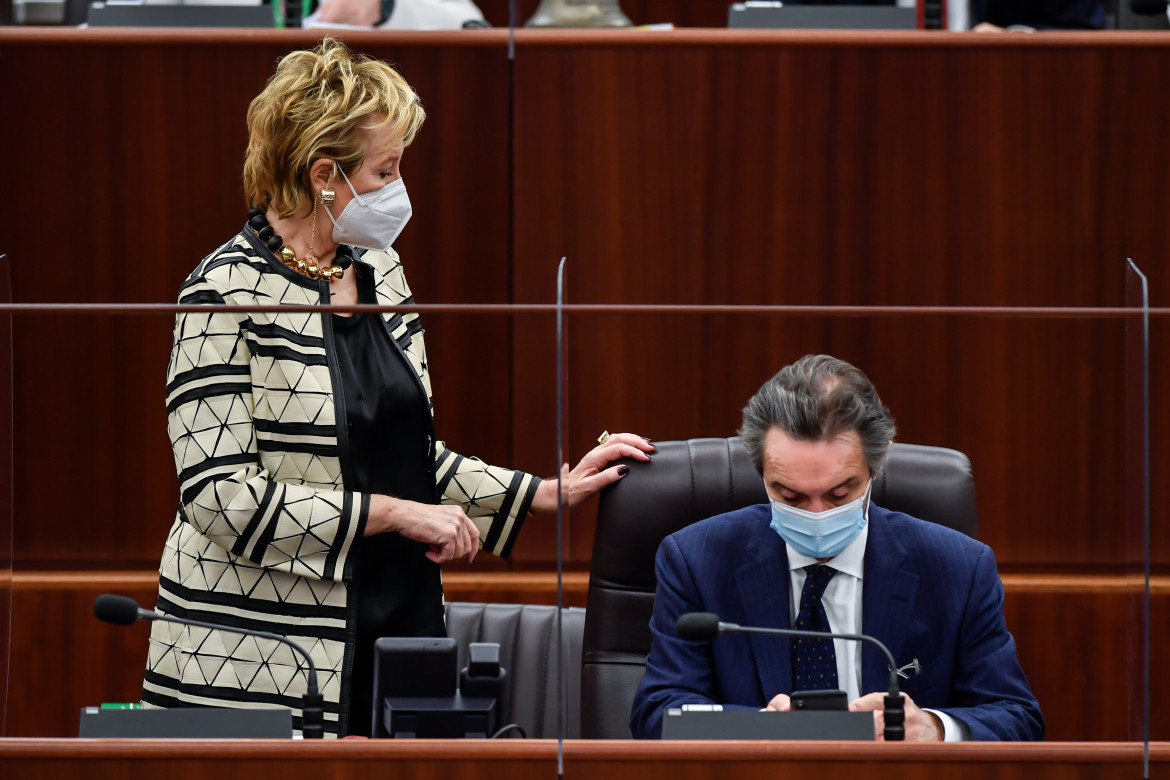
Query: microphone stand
[312, 702]
[895, 711]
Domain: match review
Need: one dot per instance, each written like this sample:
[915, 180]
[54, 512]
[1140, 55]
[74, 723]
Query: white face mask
[373, 220]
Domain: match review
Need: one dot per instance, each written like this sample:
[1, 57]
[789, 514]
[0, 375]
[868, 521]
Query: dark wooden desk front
[537, 760]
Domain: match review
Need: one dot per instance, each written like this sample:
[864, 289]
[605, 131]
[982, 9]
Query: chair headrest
[688, 481]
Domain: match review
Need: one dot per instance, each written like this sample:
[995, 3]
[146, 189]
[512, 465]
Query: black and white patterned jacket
[266, 532]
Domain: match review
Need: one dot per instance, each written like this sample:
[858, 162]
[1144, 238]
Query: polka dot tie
[814, 662]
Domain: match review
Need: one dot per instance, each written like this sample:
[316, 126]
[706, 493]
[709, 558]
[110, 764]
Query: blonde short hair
[312, 108]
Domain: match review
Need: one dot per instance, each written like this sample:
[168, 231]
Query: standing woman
[315, 500]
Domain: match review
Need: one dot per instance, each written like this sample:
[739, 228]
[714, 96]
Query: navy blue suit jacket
[928, 592]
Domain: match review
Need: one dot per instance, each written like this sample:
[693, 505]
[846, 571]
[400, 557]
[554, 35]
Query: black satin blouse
[399, 591]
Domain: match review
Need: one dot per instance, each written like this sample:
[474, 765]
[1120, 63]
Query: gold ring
[603, 438]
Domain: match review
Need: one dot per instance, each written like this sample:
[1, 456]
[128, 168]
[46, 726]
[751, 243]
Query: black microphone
[705, 626]
[1147, 7]
[124, 611]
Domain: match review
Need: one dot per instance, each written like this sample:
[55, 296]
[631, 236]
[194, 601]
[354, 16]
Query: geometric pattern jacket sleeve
[265, 531]
[294, 516]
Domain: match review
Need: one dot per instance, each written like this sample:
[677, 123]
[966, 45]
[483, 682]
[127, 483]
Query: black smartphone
[819, 700]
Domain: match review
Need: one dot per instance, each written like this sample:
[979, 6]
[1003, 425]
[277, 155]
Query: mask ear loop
[337, 169]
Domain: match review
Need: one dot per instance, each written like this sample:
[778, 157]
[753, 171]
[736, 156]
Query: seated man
[818, 433]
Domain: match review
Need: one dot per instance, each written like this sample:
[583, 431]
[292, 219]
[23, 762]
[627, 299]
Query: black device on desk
[819, 700]
[103, 14]
[759, 724]
[185, 723]
[826, 721]
[415, 692]
[815, 715]
[779, 15]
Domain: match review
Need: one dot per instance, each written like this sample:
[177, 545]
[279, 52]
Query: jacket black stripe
[230, 621]
[279, 610]
[451, 472]
[311, 448]
[342, 532]
[350, 560]
[286, 353]
[241, 544]
[241, 459]
[295, 429]
[501, 517]
[412, 328]
[196, 374]
[199, 297]
[228, 694]
[271, 330]
[235, 255]
[269, 532]
[209, 391]
[521, 516]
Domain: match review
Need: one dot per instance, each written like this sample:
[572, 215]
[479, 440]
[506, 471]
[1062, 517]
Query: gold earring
[312, 258]
[327, 196]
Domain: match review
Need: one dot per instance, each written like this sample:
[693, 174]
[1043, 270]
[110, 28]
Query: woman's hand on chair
[593, 472]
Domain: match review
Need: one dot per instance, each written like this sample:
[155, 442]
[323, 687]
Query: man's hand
[780, 703]
[921, 726]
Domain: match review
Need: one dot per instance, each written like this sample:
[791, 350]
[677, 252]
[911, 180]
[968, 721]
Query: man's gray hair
[818, 398]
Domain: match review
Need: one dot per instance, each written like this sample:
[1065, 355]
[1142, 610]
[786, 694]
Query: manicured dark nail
[623, 470]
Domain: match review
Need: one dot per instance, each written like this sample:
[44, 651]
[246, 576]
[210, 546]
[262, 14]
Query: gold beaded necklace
[307, 266]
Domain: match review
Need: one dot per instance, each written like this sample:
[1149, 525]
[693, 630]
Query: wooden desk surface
[538, 759]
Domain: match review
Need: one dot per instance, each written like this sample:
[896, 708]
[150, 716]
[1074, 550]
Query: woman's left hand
[591, 474]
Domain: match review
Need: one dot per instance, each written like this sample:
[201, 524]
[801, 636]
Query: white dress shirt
[842, 600]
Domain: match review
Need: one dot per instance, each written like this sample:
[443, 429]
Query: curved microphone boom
[123, 611]
[705, 626]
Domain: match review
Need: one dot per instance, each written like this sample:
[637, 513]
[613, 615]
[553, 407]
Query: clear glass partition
[1001, 422]
[1137, 425]
[5, 490]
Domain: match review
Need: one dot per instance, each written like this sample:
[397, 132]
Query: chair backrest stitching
[730, 470]
[691, 466]
[548, 637]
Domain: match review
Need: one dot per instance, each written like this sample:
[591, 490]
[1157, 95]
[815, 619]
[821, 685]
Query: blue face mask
[821, 534]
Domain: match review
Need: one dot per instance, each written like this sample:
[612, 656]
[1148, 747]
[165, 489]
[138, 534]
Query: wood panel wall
[687, 167]
[787, 169]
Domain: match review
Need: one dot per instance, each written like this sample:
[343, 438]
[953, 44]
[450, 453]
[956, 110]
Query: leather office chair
[688, 481]
[526, 634]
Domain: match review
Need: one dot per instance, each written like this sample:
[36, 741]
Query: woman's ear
[321, 173]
